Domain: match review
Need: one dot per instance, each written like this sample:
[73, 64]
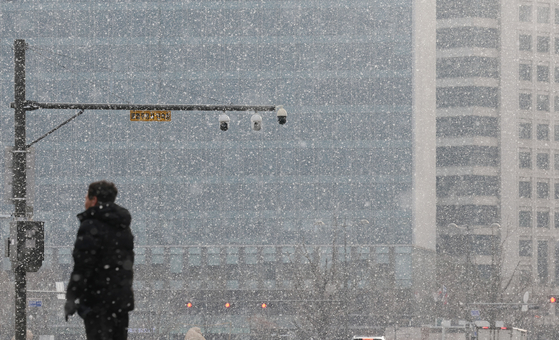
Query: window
[556, 161]
[525, 101]
[47, 261]
[525, 13]
[194, 257]
[468, 67]
[543, 44]
[556, 104]
[253, 284]
[525, 277]
[232, 255]
[64, 256]
[194, 284]
[543, 14]
[214, 256]
[542, 132]
[325, 256]
[250, 255]
[139, 255]
[557, 16]
[363, 253]
[525, 189]
[543, 102]
[525, 42]
[269, 254]
[158, 285]
[525, 248]
[232, 284]
[543, 73]
[467, 155]
[464, 96]
[467, 126]
[542, 261]
[556, 220]
[402, 268]
[525, 131]
[469, 36]
[448, 9]
[175, 260]
[556, 45]
[542, 161]
[158, 256]
[525, 219]
[482, 244]
[137, 284]
[542, 219]
[542, 189]
[525, 72]
[525, 159]
[556, 261]
[287, 254]
[556, 134]
[383, 256]
[556, 74]
[176, 284]
[557, 191]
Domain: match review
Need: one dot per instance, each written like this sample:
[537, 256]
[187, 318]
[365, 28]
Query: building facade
[356, 157]
[497, 136]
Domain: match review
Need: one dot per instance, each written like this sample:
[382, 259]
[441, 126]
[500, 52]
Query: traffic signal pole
[23, 263]
[19, 189]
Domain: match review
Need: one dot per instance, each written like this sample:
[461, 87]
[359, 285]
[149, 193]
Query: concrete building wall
[424, 104]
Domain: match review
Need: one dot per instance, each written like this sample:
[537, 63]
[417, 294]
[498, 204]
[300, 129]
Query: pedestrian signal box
[27, 244]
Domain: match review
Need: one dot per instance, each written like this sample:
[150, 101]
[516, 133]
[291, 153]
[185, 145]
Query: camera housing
[282, 115]
[224, 122]
[256, 122]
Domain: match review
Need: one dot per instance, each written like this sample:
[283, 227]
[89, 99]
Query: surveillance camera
[256, 122]
[282, 115]
[224, 122]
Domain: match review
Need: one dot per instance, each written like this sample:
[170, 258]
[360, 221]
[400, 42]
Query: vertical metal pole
[19, 186]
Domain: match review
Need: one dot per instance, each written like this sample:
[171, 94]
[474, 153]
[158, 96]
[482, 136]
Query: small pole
[19, 186]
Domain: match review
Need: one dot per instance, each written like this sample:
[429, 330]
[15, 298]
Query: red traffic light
[264, 305]
[189, 305]
[552, 299]
[227, 305]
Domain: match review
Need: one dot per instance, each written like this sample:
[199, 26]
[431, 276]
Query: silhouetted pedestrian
[100, 286]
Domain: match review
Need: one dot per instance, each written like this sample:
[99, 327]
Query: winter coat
[195, 333]
[103, 261]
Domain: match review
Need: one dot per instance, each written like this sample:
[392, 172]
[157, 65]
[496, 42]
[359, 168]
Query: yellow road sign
[150, 116]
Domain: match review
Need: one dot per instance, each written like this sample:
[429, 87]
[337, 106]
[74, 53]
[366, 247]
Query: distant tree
[319, 287]
[462, 283]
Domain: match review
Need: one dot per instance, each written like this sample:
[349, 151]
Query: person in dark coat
[100, 286]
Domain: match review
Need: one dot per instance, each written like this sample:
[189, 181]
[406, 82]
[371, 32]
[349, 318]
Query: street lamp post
[19, 183]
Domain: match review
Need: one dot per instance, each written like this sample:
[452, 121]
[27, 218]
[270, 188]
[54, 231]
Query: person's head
[100, 192]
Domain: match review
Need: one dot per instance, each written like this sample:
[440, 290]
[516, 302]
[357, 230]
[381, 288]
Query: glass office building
[356, 157]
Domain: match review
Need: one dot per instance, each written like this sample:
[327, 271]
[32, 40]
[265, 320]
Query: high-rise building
[497, 136]
[356, 157]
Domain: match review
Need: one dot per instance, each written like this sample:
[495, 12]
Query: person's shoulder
[92, 227]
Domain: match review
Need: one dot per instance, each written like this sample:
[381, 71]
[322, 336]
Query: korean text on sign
[150, 116]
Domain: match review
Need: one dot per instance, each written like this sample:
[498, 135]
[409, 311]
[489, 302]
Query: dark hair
[103, 190]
